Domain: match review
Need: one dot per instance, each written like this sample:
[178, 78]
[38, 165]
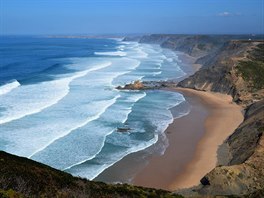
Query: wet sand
[193, 142]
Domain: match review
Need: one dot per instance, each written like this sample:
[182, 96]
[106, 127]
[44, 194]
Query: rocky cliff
[237, 69]
[193, 45]
[242, 171]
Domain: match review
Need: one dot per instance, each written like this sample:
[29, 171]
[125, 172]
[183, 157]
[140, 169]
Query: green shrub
[252, 70]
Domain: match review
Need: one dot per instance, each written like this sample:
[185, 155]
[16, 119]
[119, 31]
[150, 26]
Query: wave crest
[6, 88]
[117, 53]
[44, 96]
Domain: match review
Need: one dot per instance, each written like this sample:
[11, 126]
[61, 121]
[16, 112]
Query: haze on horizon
[131, 16]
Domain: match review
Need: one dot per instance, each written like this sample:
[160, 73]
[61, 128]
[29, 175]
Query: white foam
[117, 39]
[72, 132]
[77, 156]
[161, 120]
[109, 103]
[156, 73]
[117, 53]
[119, 156]
[126, 42]
[4, 89]
[78, 163]
[132, 99]
[130, 65]
[121, 116]
[135, 97]
[121, 47]
[141, 53]
[19, 103]
[170, 60]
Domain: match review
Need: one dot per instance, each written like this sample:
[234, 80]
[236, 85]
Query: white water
[31, 99]
[117, 53]
[4, 89]
[70, 122]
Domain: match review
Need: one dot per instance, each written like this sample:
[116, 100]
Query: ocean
[59, 105]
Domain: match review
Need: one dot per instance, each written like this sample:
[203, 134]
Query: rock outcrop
[145, 85]
[137, 85]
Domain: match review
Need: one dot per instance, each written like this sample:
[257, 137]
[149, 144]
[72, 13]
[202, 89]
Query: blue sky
[131, 16]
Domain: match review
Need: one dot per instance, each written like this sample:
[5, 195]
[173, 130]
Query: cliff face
[196, 46]
[243, 173]
[227, 71]
[22, 177]
[193, 45]
[242, 143]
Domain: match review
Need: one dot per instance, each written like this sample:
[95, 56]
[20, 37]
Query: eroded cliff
[242, 171]
[237, 70]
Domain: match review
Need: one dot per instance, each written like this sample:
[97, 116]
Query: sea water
[59, 105]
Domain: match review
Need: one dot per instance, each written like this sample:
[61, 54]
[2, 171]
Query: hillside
[22, 177]
[237, 70]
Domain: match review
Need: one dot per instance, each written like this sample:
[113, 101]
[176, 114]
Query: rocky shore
[147, 85]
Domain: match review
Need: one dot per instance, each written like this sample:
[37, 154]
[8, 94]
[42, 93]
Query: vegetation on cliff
[252, 70]
[237, 69]
[22, 177]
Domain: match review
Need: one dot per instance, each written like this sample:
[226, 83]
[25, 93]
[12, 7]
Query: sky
[38, 17]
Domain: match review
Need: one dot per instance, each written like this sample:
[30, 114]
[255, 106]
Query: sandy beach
[193, 142]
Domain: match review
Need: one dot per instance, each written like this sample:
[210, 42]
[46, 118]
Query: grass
[252, 70]
[10, 194]
[22, 177]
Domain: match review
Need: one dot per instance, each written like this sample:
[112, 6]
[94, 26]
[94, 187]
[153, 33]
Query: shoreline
[150, 168]
[222, 119]
[193, 143]
[188, 60]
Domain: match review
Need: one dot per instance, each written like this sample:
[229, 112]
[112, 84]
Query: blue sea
[59, 105]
